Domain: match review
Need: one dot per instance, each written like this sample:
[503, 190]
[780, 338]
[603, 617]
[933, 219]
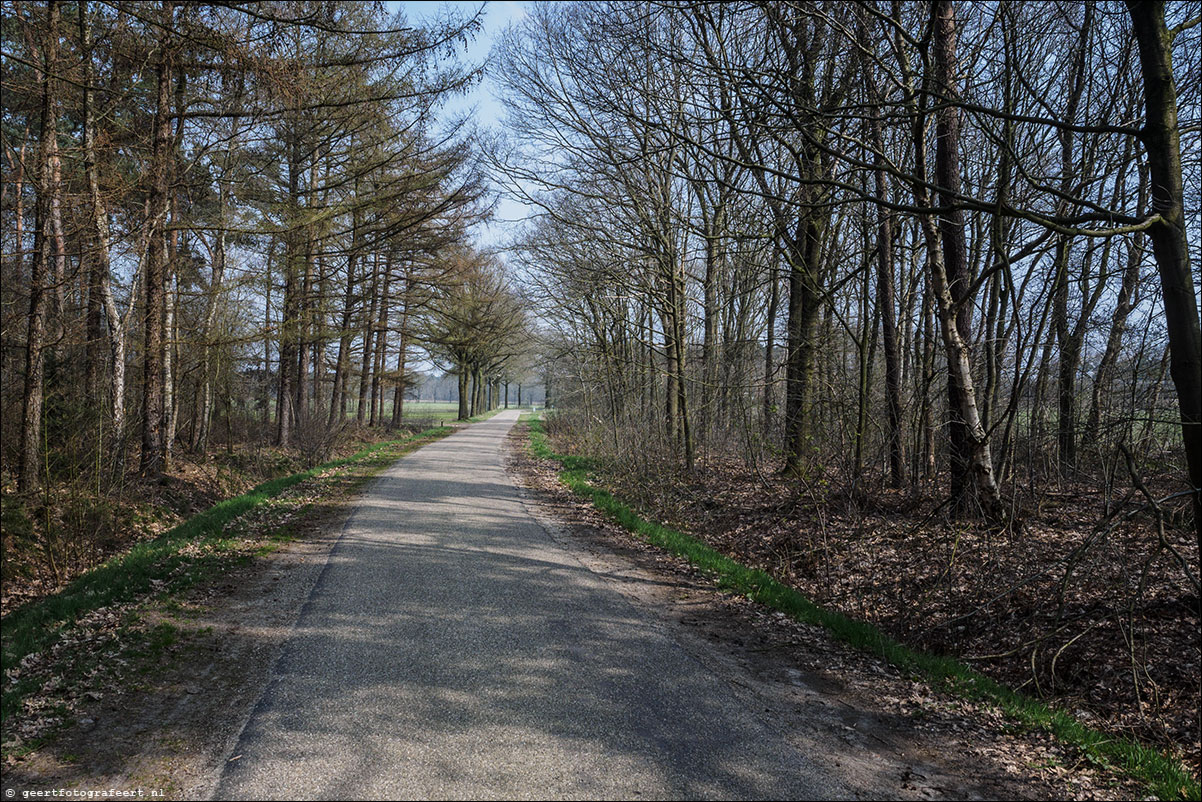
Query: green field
[442, 411]
[438, 411]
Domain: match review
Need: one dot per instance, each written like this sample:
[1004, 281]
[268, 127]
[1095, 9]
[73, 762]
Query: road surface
[452, 649]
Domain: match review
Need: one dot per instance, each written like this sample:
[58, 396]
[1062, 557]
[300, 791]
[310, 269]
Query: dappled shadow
[451, 647]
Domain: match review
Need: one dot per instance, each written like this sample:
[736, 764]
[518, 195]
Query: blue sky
[482, 101]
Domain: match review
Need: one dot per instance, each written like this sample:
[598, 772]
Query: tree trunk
[714, 267]
[804, 309]
[769, 402]
[884, 300]
[58, 275]
[170, 362]
[155, 300]
[971, 462]
[171, 318]
[377, 394]
[29, 467]
[929, 465]
[678, 339]
[285, 395]
[1162, 138]
[954, 249]
[265, 399]
[464, 412]
[101, 267]
[672, 373]
[338, 394]
[398, 395]
[1070, 346]
[204, 396]
[477, 392]
[368, 340]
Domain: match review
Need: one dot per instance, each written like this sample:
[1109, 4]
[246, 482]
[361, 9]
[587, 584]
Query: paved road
[452, 649]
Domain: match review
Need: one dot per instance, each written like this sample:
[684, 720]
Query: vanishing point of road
[453, 649]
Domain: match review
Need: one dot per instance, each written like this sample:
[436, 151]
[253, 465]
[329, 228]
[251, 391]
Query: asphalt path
[451, 649]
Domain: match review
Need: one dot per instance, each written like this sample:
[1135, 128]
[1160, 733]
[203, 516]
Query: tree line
[232, 222]
[903, 242]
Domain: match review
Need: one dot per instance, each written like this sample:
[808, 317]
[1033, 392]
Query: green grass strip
[1165, 777]
[128, 575]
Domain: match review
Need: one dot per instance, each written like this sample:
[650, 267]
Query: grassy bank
[1164, 777]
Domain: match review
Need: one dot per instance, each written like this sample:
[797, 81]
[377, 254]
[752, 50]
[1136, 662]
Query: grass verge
[1164, 776]
[178, 558]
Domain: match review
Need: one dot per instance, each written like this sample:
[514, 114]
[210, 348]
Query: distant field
[444, 411]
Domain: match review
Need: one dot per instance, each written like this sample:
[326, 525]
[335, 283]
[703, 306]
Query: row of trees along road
[750, 212]
[246, 218]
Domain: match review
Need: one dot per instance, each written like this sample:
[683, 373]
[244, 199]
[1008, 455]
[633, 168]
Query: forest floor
[1099, 621]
